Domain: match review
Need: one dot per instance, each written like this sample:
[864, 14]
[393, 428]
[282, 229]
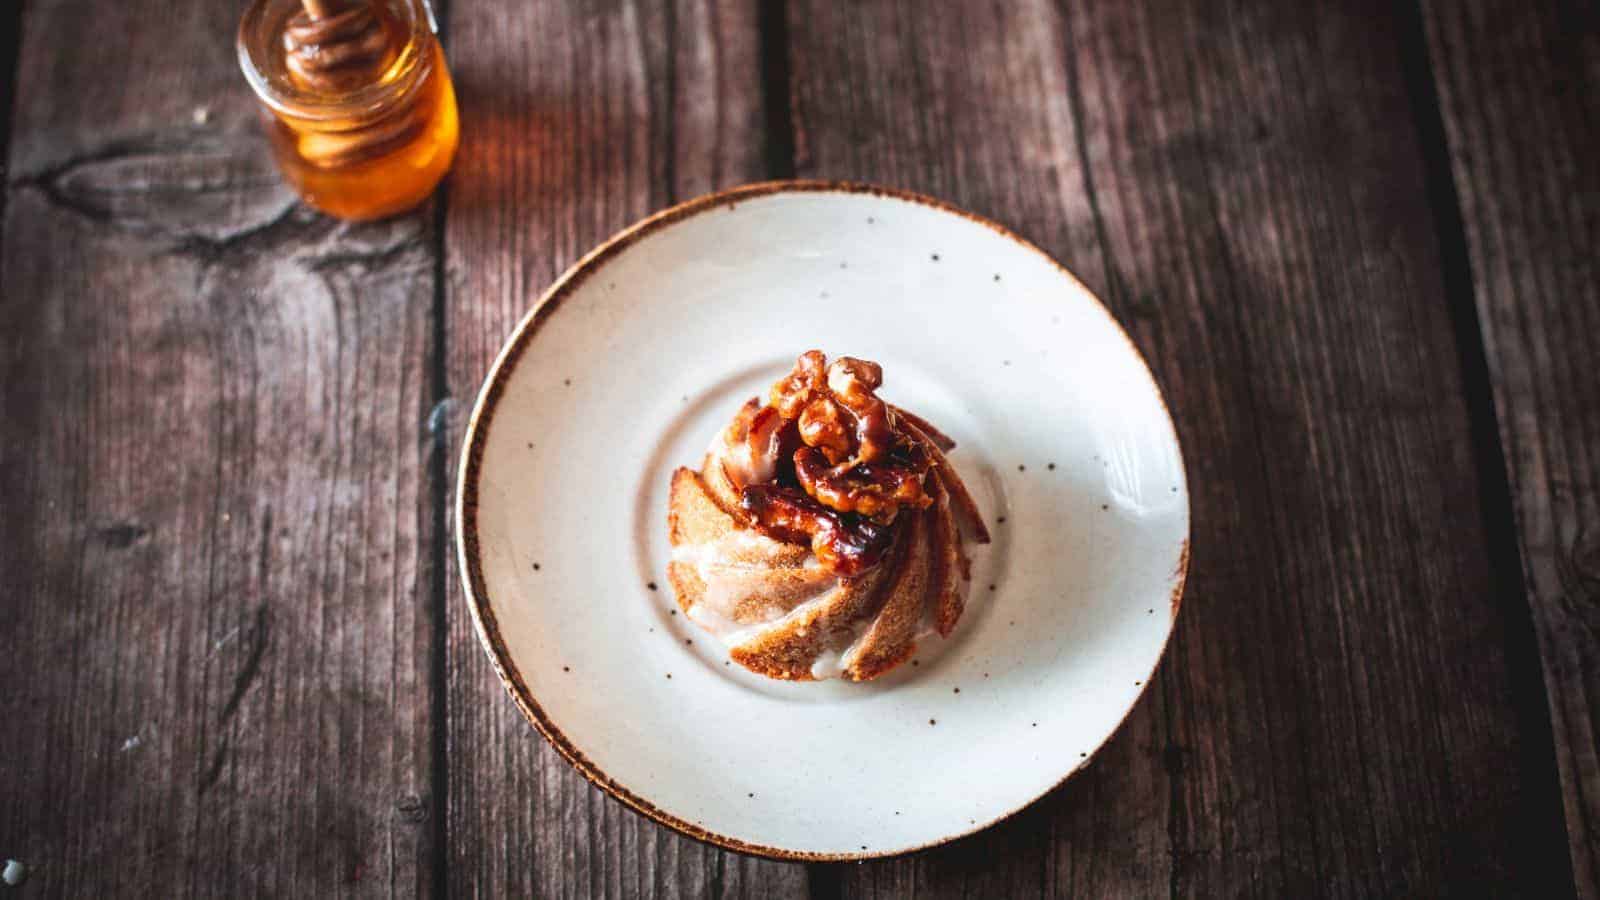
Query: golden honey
[359, 107]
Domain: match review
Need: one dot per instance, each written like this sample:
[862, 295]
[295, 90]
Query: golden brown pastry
[824, 533]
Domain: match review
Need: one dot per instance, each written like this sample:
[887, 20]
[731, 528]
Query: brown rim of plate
[472, 457]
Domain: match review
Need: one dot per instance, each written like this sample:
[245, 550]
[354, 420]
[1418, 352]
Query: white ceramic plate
[627, 367]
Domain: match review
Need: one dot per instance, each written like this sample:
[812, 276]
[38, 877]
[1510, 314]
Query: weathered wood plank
[10, 35]
[215, 537]
[1241, 184]
[578, 119]
[1519, 86]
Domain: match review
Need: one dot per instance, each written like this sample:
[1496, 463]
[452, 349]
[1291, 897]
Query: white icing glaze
[828, 664]
[733, 634]
[729, 584]
[715, 622]
[740, 541]
[840, 655]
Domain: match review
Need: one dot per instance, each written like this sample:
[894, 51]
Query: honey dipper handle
[322, 9]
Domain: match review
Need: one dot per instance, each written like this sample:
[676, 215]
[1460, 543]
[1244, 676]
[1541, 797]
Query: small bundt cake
[824, 533]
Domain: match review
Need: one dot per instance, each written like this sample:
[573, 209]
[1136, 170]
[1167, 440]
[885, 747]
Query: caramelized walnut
[845, 428]
[822, 426]
[791, 394]
[825, 463]
[875, 490]
[846, 545]
[851, 381]
[836, 407]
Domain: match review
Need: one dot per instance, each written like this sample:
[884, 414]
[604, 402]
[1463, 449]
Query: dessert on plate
[826, 532]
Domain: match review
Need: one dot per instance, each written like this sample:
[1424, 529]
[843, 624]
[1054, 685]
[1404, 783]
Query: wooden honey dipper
[338, 46]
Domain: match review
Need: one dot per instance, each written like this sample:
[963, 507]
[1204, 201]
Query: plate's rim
[466, 536]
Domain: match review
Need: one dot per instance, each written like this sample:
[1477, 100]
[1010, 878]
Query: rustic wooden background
[1357, 242]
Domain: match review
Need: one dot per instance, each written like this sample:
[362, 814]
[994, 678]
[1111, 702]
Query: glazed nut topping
[843, 427]
[876, 490]
[844, 544]
[822, 426]
[853, 460]
[792, 392]
[826, 462]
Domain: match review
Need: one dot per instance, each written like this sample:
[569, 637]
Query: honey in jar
[356, 100]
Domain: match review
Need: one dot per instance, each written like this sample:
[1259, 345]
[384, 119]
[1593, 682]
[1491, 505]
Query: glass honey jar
[356, 100]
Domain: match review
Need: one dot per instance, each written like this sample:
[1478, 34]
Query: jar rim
[402, 75]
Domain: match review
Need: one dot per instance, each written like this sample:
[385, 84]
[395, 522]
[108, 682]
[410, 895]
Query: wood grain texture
[577, 119]
[1242, 184]
[1519, 86]
[238, 663]
[212, 408]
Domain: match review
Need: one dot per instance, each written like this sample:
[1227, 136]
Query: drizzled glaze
[823, 464]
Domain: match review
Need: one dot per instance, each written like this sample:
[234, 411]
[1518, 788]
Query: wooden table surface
[1356, 242]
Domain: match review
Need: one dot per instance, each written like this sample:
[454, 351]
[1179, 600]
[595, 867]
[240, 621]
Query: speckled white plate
[627, 367]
